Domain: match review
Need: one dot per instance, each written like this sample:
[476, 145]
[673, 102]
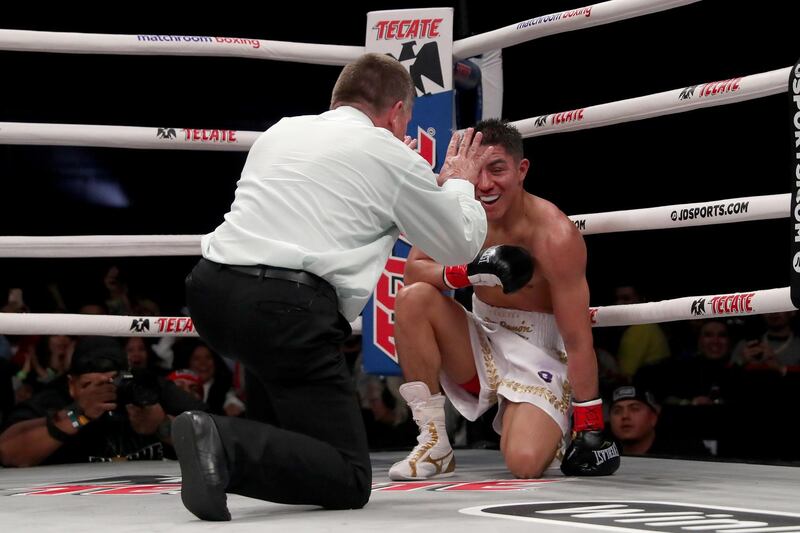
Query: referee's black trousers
[287, 333]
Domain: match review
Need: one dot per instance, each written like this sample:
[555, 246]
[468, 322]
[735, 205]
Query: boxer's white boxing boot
[433, 456]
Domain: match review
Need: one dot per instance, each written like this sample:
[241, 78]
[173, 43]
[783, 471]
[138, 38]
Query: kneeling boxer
[527, 343]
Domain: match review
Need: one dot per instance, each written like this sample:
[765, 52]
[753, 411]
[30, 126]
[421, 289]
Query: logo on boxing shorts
[546, 376]
[166, 133]
[614, 515]
[140, 325]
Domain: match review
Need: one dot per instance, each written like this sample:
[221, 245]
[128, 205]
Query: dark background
[724, 152]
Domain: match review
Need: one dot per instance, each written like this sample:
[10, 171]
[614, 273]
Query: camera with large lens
[137, 387]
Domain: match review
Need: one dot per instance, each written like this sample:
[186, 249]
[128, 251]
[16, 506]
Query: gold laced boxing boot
[433, 456]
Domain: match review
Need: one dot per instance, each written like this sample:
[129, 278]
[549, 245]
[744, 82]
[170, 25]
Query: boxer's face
[500, 182]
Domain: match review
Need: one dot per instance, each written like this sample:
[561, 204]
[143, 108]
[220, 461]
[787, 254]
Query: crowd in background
[711, 388]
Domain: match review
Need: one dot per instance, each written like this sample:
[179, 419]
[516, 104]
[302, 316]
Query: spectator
[217, 378]
[116, 284]
[77, 418]
[188, 381]
[139, 351]
[49, 359]
[702, 379]
[641, 344]
[386, 419]
[774, 346]
[634, 420]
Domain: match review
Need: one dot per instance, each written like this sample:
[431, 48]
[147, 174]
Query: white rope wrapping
[665, 103]
[686, 308]
[100, 246]
[320, 54]
[683, 215]
[106, 325]
[126, 137]
[654, 105]
[176, 45]
[573, 19]
[693, 307]
[695, 214]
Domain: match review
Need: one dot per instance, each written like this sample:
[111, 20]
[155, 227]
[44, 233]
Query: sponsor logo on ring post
[408, 28]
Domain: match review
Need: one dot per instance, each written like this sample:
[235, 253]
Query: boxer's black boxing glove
[590, 453]
[504, 264]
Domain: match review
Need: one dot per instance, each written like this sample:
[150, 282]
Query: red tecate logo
[210, 136]
[732, 303]
[575, 115]
[719, 87]
[175, 325]
[407, 28]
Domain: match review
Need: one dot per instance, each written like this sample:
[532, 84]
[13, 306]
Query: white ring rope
[686, 308]
[655, 105]
[100, 246]
[126, 137]
[320, 54]
[108, 325]
[693, 307]
[696, 214]
[176, 45]
[683, 215]
[573, 19]
[676, 101]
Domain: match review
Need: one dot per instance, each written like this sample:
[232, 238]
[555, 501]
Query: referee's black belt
[272, 272]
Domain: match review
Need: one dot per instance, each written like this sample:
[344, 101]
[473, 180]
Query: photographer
[97, 412]
[769, 344]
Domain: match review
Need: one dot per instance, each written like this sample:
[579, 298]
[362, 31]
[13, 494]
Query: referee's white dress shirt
[330, 193]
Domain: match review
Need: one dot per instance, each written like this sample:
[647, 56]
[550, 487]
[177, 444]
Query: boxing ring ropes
[708, 94]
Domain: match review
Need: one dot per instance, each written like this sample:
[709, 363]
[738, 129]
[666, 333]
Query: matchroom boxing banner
[422, 40]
